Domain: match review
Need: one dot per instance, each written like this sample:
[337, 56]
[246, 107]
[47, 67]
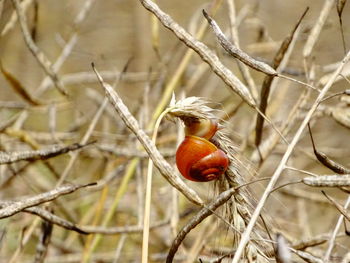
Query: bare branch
[11, 157]
[17, 206]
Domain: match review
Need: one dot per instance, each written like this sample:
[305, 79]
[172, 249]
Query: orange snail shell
[200, 160]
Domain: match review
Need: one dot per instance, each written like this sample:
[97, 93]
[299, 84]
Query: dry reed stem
[281, 166]
[148, 194]
[235, 38]
[84, 140]
[316, 30]
[282, 55]
[331, 241]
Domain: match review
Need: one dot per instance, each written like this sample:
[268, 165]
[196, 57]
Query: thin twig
[197, 219]
[331, 241]
[338, 206]
[43, 61]
[17, 206]
[43, 154]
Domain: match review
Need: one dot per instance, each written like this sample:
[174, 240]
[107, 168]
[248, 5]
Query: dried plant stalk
[328, 180]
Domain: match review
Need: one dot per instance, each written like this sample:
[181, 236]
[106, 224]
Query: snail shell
[200, 160]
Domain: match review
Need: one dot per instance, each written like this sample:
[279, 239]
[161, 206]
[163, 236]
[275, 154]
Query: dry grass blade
[11, 157]
[17, 206]
[203, 51]
[331, 241]
[37, 53]
[17, 86]
[197, 219]
[236, 52]
[265, 89]
[328, 180]
[334, 166]
[338, 206]
[163, 166]
[316, 30]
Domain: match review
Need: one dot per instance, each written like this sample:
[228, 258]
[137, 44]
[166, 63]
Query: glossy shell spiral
[199, 160]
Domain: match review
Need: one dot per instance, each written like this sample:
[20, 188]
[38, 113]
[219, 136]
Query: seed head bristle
[191, 107]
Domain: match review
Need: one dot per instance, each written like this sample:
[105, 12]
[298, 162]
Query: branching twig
[11, 157]
[17, 206]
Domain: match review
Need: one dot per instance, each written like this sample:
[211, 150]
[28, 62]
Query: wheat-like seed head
[238, 210]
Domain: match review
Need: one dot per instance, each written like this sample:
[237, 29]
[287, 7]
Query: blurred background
[116, 33]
